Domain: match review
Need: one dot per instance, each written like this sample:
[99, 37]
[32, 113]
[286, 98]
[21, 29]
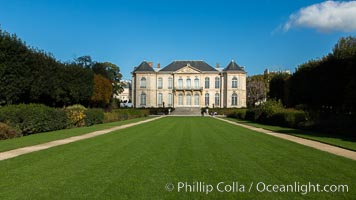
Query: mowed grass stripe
[136, 163]
[39, 138]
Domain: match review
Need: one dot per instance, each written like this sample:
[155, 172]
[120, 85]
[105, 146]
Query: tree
[15, 73]
[111, 72]
[102, 91]
[84, 61]
[29, 75]
[278, 87]
[345, 48]
[256, 91]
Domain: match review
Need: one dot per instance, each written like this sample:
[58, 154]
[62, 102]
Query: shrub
[6, 132]
[124, 114]
[253, 114]
[159, 111]
[240, 114]
[267, 109]
[93, 116]
[229, 112]
[75, 115]
[288, 118]
[33, 118]
[294, 118]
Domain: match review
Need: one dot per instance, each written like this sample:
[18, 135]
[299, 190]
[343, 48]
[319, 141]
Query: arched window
[234, 99]
[207, 99]
[180, 99]
[234, 82]
[217, 99]
[180, 83]
[207, 82]
[170, 83]
[143, 82]
[143, 99]
[160, 83]
[196, 99]
[170, 100]
[189, 83]
[196, 82]
[189, 100]
[217, 82]
[160, 99]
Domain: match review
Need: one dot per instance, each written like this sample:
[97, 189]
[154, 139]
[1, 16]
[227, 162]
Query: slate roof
[232, 66]
[144, 67]
[200, 65]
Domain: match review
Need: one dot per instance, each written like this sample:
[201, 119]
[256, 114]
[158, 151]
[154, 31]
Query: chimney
[158, 65]
[150, 64]
[217, 65]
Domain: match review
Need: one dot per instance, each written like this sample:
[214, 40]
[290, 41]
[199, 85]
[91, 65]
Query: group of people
[207, 112]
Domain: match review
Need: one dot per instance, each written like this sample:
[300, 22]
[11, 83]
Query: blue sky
[253, 33]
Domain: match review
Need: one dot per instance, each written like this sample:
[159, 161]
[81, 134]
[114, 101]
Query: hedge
[33, 118]
[124, 114]
[273, 113]
[288, 118]
[159, 111]
[222, 111]
[93, 116]
[238, 114]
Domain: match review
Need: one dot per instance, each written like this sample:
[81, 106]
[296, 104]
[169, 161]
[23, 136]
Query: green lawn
[138, 162]
[346, 142]
[39, 138]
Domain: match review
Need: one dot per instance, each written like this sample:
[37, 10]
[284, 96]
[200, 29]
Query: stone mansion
[188, 84]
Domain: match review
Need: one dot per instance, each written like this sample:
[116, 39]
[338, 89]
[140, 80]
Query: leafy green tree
[84, 61]
[29, 75]
[15, 74]
[111, 72]
[278, 87]
[345, 48]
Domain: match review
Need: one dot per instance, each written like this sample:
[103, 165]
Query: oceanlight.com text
[235, 187]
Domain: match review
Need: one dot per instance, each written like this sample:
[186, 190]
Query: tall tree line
[29, 75]
[326, 85]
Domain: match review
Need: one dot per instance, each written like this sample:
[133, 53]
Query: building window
[196, 82]
[170, 100]
[189, 100]
[189, 85]
[207, 99]
[207, 82]
[217, 99]
[180, 83]
[180, 99]
[143, 82]
[143, 99]
[160, 99]
[170, 83]
[234, 99]
[196, 99]
[234, 82]
[160, 83]
[217, 82]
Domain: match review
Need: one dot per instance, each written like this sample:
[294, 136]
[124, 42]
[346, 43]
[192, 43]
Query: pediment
[188, 70]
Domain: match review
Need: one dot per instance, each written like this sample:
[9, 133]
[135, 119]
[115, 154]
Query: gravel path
[25, 150]
[310, 143]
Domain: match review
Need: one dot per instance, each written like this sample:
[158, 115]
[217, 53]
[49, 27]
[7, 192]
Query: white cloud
[325, 16]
